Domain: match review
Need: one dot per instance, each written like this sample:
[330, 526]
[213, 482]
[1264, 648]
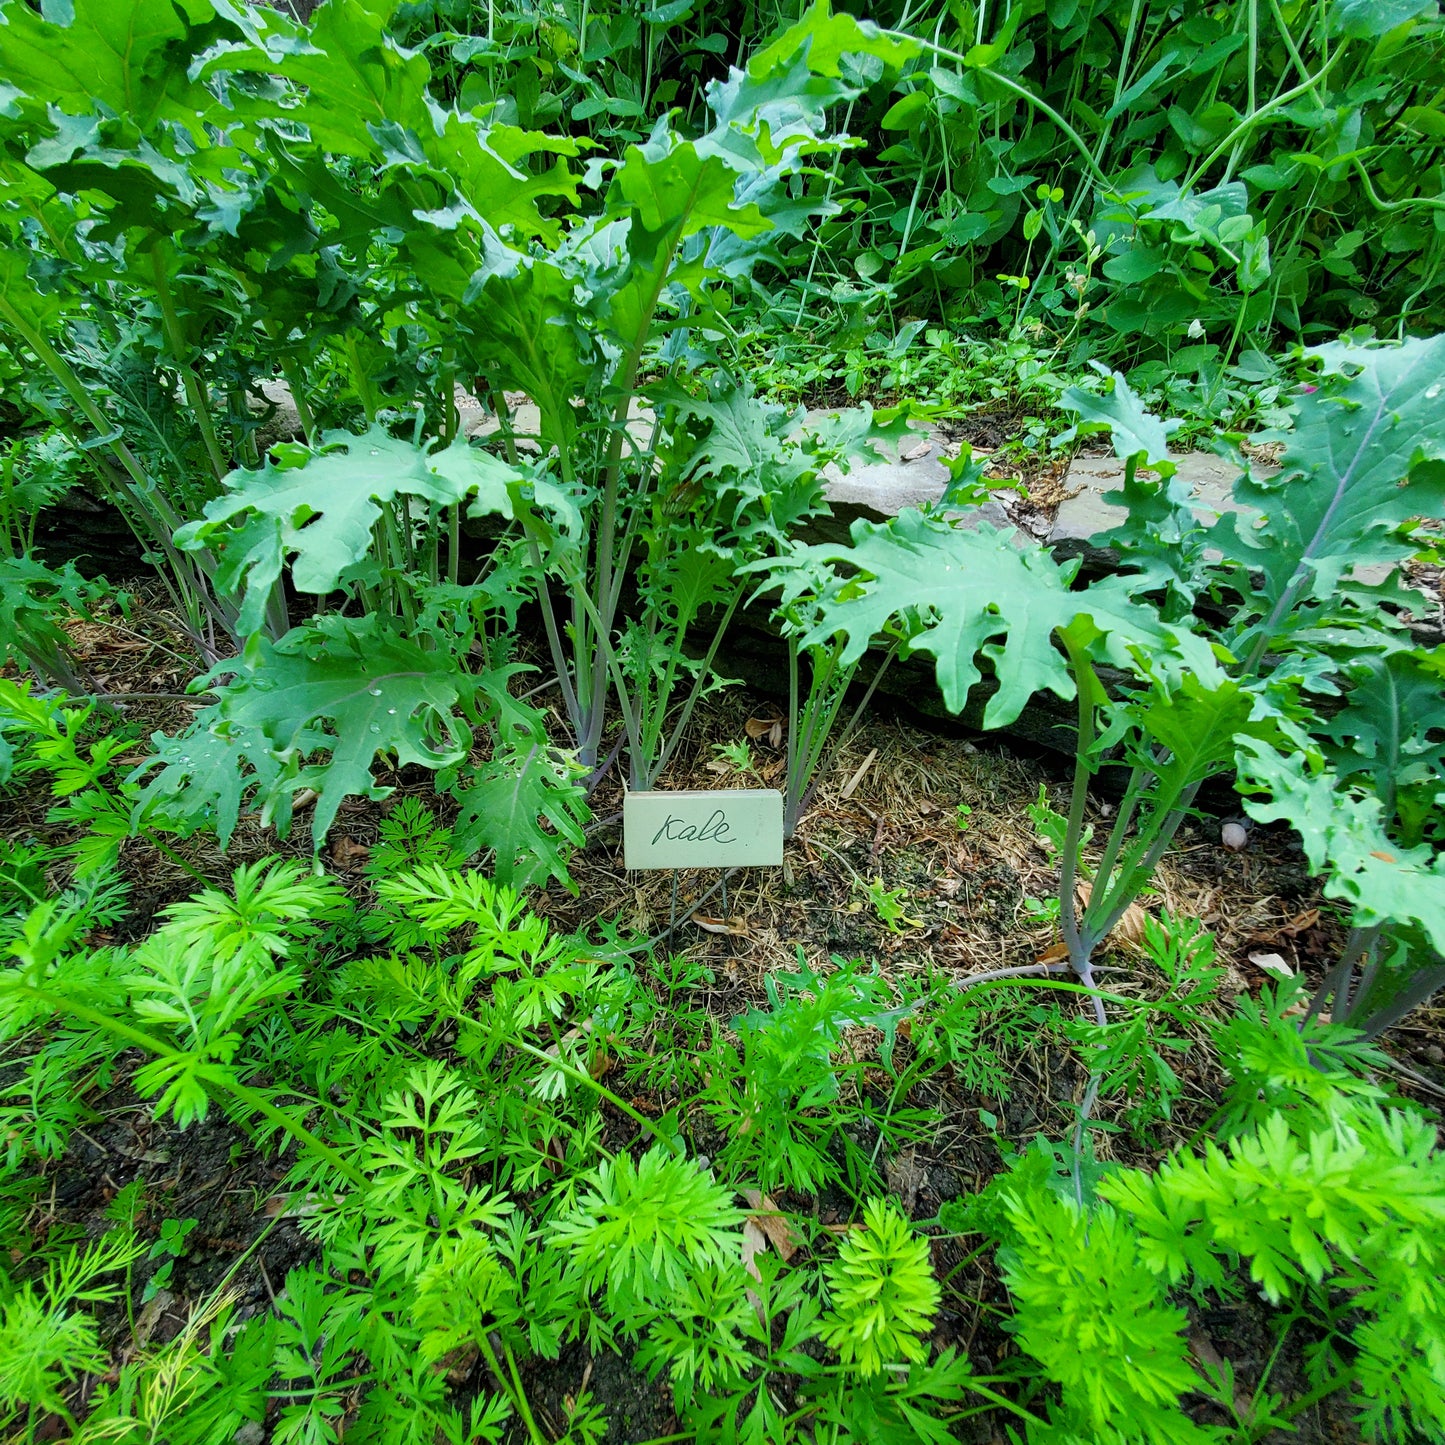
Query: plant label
[712, 828]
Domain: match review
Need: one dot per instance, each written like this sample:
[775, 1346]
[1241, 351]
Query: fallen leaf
[769, 729]
[755, 1242]
[1129, 930]
[151, 1314]
[921, 450]
[1272, 963]
[773, 1223]
[1384, 857]
[1300, 923]
[1202, 1348]
[905, 1178]
[736, 927]
[348, 853]
[1057, 954]
[457, 1364]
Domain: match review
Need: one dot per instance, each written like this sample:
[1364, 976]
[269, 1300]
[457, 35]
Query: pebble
[1234, 837]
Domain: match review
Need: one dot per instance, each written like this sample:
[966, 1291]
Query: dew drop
[1431, 392]
[376, 692]
[375, 728]
[391, 712]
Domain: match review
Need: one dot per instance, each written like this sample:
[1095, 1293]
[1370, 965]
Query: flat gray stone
[1082, 517]
[1211, 478]
[876, 491]
[282, 419]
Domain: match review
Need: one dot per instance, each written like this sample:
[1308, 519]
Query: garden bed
[970, 886]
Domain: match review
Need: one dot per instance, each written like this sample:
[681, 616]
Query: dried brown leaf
[771, 1220]
[1129, 930]
[734, 927]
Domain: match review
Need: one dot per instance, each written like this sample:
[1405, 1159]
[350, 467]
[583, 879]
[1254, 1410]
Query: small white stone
[1235, 837]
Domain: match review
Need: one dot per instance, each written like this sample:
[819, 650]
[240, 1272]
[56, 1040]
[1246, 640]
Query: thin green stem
[207, 1073]
[1250, 121]
[175, 336]
[1014, 88]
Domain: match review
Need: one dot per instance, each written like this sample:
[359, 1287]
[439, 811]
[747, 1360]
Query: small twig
[595, 777]
[601, 825]
[1406, 1072]
[851, 786]
[142, 696]
[686, 917]
[1024, 971]
[266, 1279]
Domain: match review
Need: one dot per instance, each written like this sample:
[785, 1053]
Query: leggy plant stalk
[1122, 871]
[611, 562]
[148, 513]
[530, 528]
[644, 711]
[161, 253]
[811, 726]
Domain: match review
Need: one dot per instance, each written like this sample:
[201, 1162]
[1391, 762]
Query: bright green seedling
[963, 817]
[737, 756]
[890, 905]
[169, 1247]
[882, 1291]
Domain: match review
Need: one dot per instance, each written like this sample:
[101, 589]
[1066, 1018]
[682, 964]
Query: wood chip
[1272, 963]
[851, 786]
[735, 927]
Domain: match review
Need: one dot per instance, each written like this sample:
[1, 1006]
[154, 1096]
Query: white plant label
[711, 828]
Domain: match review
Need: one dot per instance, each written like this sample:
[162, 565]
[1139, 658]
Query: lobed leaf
[967, 593]
[320, 514]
